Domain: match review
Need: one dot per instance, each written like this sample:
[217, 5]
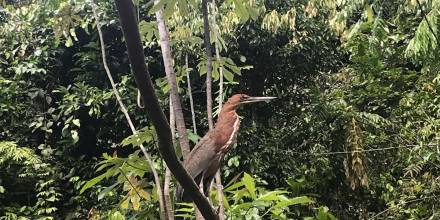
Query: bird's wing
[201, 156]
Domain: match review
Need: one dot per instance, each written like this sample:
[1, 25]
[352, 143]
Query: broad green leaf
[143, 136]
[249, 183]
[93, 182]
[234, 186]
[228, 75]
[293, 201]
[272, 196]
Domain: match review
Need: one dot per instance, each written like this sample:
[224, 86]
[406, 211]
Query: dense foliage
[354, 133]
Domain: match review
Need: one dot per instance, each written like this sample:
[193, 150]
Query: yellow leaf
[124, 204]
[135, 200]
[144, 194]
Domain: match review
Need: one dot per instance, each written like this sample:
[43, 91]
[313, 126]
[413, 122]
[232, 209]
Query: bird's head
[238, 99]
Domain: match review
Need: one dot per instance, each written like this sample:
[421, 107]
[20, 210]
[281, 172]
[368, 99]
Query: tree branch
[145, 85]
[124, 110]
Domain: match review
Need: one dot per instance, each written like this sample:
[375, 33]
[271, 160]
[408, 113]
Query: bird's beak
[257, 99]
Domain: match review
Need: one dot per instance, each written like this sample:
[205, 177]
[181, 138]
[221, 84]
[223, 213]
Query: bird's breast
[229, 136]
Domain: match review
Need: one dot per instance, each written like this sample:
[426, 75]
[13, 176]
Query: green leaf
[68, 42]
[228, 75]
[106, 190]
[116, 216]
[158, 6]
[272, 196]
[93, 182]
[143, 136]
[249, 183]
[76, 122]
[234, 186]
[183, 7]
[293, 201]
[241, 11]
[193, 137]
[75, 136]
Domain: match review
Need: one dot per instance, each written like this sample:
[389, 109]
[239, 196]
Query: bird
[207, 155]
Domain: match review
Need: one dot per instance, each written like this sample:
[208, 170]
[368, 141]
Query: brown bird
[206, 157]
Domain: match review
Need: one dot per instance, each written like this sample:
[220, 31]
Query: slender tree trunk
[125, 112]
[171, 77]
[217, 54]
[167, 179]
[218, 179]
[145, 85]
[167, 195]
[191, 102]
[207, 41]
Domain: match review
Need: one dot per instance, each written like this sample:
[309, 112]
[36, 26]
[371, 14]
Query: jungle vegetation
[353, 134]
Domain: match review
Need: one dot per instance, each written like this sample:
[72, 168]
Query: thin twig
[191, 101]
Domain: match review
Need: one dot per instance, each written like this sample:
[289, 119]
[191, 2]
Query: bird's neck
[227, 116]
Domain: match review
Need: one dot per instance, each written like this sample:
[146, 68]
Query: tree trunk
[145, 85]
[218, 179]
[208, 63]
[171, 77]
[167, 179]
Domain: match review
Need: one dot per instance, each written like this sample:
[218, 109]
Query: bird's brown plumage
[206, 156]
[205, 159]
